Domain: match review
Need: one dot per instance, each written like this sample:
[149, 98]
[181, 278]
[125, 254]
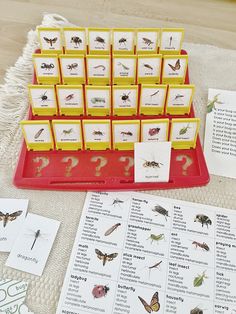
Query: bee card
[70, 99]
[75, 40]
[124, 69]
[99, 41]
[149, 69]
[152, 162]
[125, 100]
[179, 99]
[171, 40]
[97, 134]
[152, 99]
[46, 68]
[67, 134]
[155, 130]
[123, 40]
[98, 100]
[43, 100]
[147, 40]
[98, 69]
[183, 133]
[125, 134]
[33, 245]
[72, 69]
[50, 40]
[37, 134]
[174, 69]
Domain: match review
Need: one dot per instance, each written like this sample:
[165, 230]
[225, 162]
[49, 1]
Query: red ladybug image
[99, 291]
[153, 131]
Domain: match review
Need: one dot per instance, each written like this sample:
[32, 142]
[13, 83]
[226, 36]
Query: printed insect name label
[226, 256]
[225, 287]
[224, 226]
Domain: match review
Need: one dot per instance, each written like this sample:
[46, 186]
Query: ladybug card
[50, 40]
[123, 40]
[125, 134]
[147, 40]
[72, 69]
[98, 100]
[97, 134]
[75, 40]
[125, 100]
[99, 41]
[149, 69]
[174, 69]
[154, 130]
[152, 99]
[171, 40]
[70, 100]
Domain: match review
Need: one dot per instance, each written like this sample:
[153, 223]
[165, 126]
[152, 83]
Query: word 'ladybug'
[99, 291]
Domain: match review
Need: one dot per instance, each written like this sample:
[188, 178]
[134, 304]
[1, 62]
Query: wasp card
[72, 69]
[155, 130]
[67, 134]
[46, 68]
[125, 100]
[149, 68]
[124, 69]
[171, 40]
[98, 69]
[50, 39]
[75, 40]
[174, 69]
[43, 99]
[98, 100]
[125, 134]
[147, 40]
[70, 99]
[97, 134]
[123, 40]
[152, 99]
[99, 41]
[179, 99]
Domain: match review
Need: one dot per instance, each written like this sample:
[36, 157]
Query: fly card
[50, 39]
[46, 68]
[125, 134]
[149, 68]
[123, 40]
[125, 100]
[75, 40]
[99, 41]
[98, 100]
[97, 134]
[152, 99]
[72, 69]
[70, 100]
[67, 134]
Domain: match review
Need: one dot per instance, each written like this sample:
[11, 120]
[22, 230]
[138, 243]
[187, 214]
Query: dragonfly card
[97, 134]
[149, 68]
[50, 39]
[147, 40]
[171, 40]
[152, 99]
[99, 41]
[125, 134]
[125, 100]
[46, 68]
[33, 245]
[72, 69]
[179, 99]
[12, 216]
[123, 40]
[174, 69]
[98, 69]
[67, 134]
[70, 100]
[154, 130]
[124, 69]
[75, 40]
[98, 100]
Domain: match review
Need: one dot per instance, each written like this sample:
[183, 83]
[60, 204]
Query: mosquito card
[67, 134]
[174, 69]
[33, 245]
[171, 40]
[97, 134]
[152, 99]
[46, 68]
[124, 69]
[99, 41]
[149, 68]
[123, 40]
[75, 40]
[98, 69]
[125, 134]
[152, 162]
[98, 100]
[72, 69]
[50, 39]
[155, 130]
[125, 100]
[70, 99]
[147, 40]
[179, 99]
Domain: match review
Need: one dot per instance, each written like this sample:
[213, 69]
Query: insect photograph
[178, 96]
[175, 67]
[69, 97]
[154, 266]
[72, 66]
[153, 237]
[100, 66]
[184, 130]
[199, 279]
[153, 131]
[100, 291]
[67, 132]
[5, 218]
[76, 40]
[98, 132]
[147, 41]
[104, 257]
[202, 245]
[50, 41]
[148, 66]
[124, 133]
[100, 40]
[161, 211]
[96, 100]
[125, 97]
[124, 67]
[47, 66]
[170, 41]
[154, 94]
[117, 202]
[122, 41]
[36, 236]
[203, 220]
[43, 97]
[37, 135]
[112, 229]
[152, 164]
[154, 305]
[196, 310]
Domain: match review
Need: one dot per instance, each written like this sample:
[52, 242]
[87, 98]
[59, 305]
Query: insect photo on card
[148, 66]
[123, 66]
[155, 266]
[196, 310]
[125, 97]
[100, 40]
[37, 135]
[9, 217]
[104, 257]
[72, 66]
[203, 219]
[128, 133]
[161, 211]
[184, 130]
[100, 66]
[100, 291]
[96, 100]
[155, 237]
[152, 164]
[50, 41]
[147, 41]
[69, 97]
[198, 281]
[76, 40]
[175, 67]
[97, 132]
[154, 305]
[43, 97]
[122, 41]
[47, 66]
[202, 245]
[153, 131]
[67, 132]
[117, 201]
[111, 229]
[37, 235]
[154, 94]
[170, 41]
[178, 96]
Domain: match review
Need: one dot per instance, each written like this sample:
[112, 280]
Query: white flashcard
[37, 132]
[152, 162]
[126, 132]
[123, 40]
[174, 67]
[154, 130]
[50, 39]
[98, 98]
[70, 97]
[97, 132]
[124, 67]
[46, 66]
[33, 245]
[99, 40]
[72, 67]
[42, 96]
[147, 41]
[125, 98]
[149, 67]
[171, 40]
[98, 67]
[180, 97]
[67, 132]
[153, 96]
[12, 217]
[75, 39]
[184, 131]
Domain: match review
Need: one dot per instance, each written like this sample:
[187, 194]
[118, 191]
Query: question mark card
[97, 134]
[123, 40]
[75, 40]
[125, 100]
[99, 41]
[43, 100]
[124, 69]
[179, 99]
[171, 40]
[149, 68]
[50, 40]
[174, 69]
[125, 134]
[72, 69]
[147, 40]
[70, 99]
[67, 134]
[155, 130]
[46, 68]
[98, 100]
[152, 99]
[98, 69]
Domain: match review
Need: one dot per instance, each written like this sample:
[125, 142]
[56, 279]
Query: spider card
[152, 99]
[98, 100]
[171, 40]
[99, 41]
[147, 40]
[46, 68]
[179, 99]
[33, 245]
[70, 99]
[123, 40]
[50, 39]
[67, 134]
[98, 69]
[43, 100]
[75, 40]
[149, 68]
[125, 134]
[124, 69]
[125, 100]
[97, 134]
[155, 130]
[72, 69]
[174, 69]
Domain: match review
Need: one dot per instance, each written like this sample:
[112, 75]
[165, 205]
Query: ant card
[125, 134]
[155, 130]
[171, 40]
[149, 68]
[125, 100]
[183, 134]
[50, 39]
[123, 40]
[33, 245]
[147, 40]
[124, 69]
[174, 69]
[98, 100]
[152, 162]
[67, 134]
[99, 41]
[97, 134]
[46, 68]
[72, 69]
[43, 100]
[152, 99]
[98, 69]
[75, 40]
[70, 99]
[37, 134]
[179, 99]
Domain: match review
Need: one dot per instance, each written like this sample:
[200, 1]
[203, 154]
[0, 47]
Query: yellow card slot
[154, 130]
[171, 41]
[50, 40]
[46, 68]
[125, 134]
[97, 134]
[75, 40]
[152, 99]
[72, 69]
[70, 99]
[174, 69]
[67, 134]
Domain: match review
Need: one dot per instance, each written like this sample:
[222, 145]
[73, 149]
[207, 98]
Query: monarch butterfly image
[154, 305]
[176, 67]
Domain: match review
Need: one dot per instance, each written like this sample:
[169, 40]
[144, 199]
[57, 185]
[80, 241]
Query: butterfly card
[149, 69]
[97, 134]
[154, 130]
[147, 40]
[46, 68]
[50, 40]
[171, 40]
[98, 100]
[152, 99]
[125, 100]
[75, 40]
[124, 69]
[98, 69]
[125, 134]
[99, 41]
[67, 134]
[70, 100]
[174, 69]
[123, 40]
[179, 99]
[72, 69]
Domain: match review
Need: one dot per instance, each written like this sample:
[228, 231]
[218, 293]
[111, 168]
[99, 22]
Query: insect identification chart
[139, 253]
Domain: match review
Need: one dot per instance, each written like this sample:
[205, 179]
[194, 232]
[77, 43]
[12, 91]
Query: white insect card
[46, 66]
[155, 130]
[42, 96]
[147, 40]
[98, 66]
[70, 96]
[124, 67]
[174, 68]
[72, 67]
[123, 40]
[50, 39]
[37, 131]
[75, 39]
[99, 40]
[149, 68]
[171, 40]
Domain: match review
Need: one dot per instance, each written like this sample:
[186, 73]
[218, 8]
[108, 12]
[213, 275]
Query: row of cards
[125, 100]
[100, 40]
[104, 69]
[105, 134]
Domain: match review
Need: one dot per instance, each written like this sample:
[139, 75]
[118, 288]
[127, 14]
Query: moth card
[125, 134]
[125, 100]
[70, 99]
[46, 68]
[155, 130]
[43, 100]
[99, 41]
[67, 134]
[37, 134]
[174, 69]
[33, 245]
[171, 40]
[123, 40]
[98, 69]
[183, 134]
[152, 99]
[147, 40]
[97, 134]
[124, 69]
[72, 69]
[12, 216]
[149, 68]
[179, 99]
[75, 40]
[98, 100]
[50, 40]
[152, 162]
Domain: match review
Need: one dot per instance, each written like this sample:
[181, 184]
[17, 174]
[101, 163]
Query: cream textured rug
[209, 67]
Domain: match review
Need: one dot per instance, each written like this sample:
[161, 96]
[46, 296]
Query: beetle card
[72, 69]
[152, 99]
[99, 41]
[43, 99]
[46, 68]
[98, 69]
[98, 100]
[124, 69]
[50, 39]
[125, 100]
[183, 134]
[70, 99]
[147, 40]
[125, 134]
[174, 69]
[179, 99]
[97, 134]
[149, 68]
[75, 40]
[123, 40]
[67, 134]
[171, 40]
[155, 130]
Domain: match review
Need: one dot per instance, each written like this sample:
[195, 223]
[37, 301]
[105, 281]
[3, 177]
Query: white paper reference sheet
[134, 250]
[220, 133]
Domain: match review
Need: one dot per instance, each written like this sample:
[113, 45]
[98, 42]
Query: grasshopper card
[98, 100]
[124, 69]
[70, 99]
[50, 39]
[97, 134]
[72, 69]
[174, 69]
[67, 134]
[123, 40]
[99, 41]
[152, 100]
[171, 40]
[98, 69]
[75, 40]
[125, 100]
[147, 40]
[46, 68]
[155, 130]
[179, 99]
[149, 68]
[43, 99]
[125, 134]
